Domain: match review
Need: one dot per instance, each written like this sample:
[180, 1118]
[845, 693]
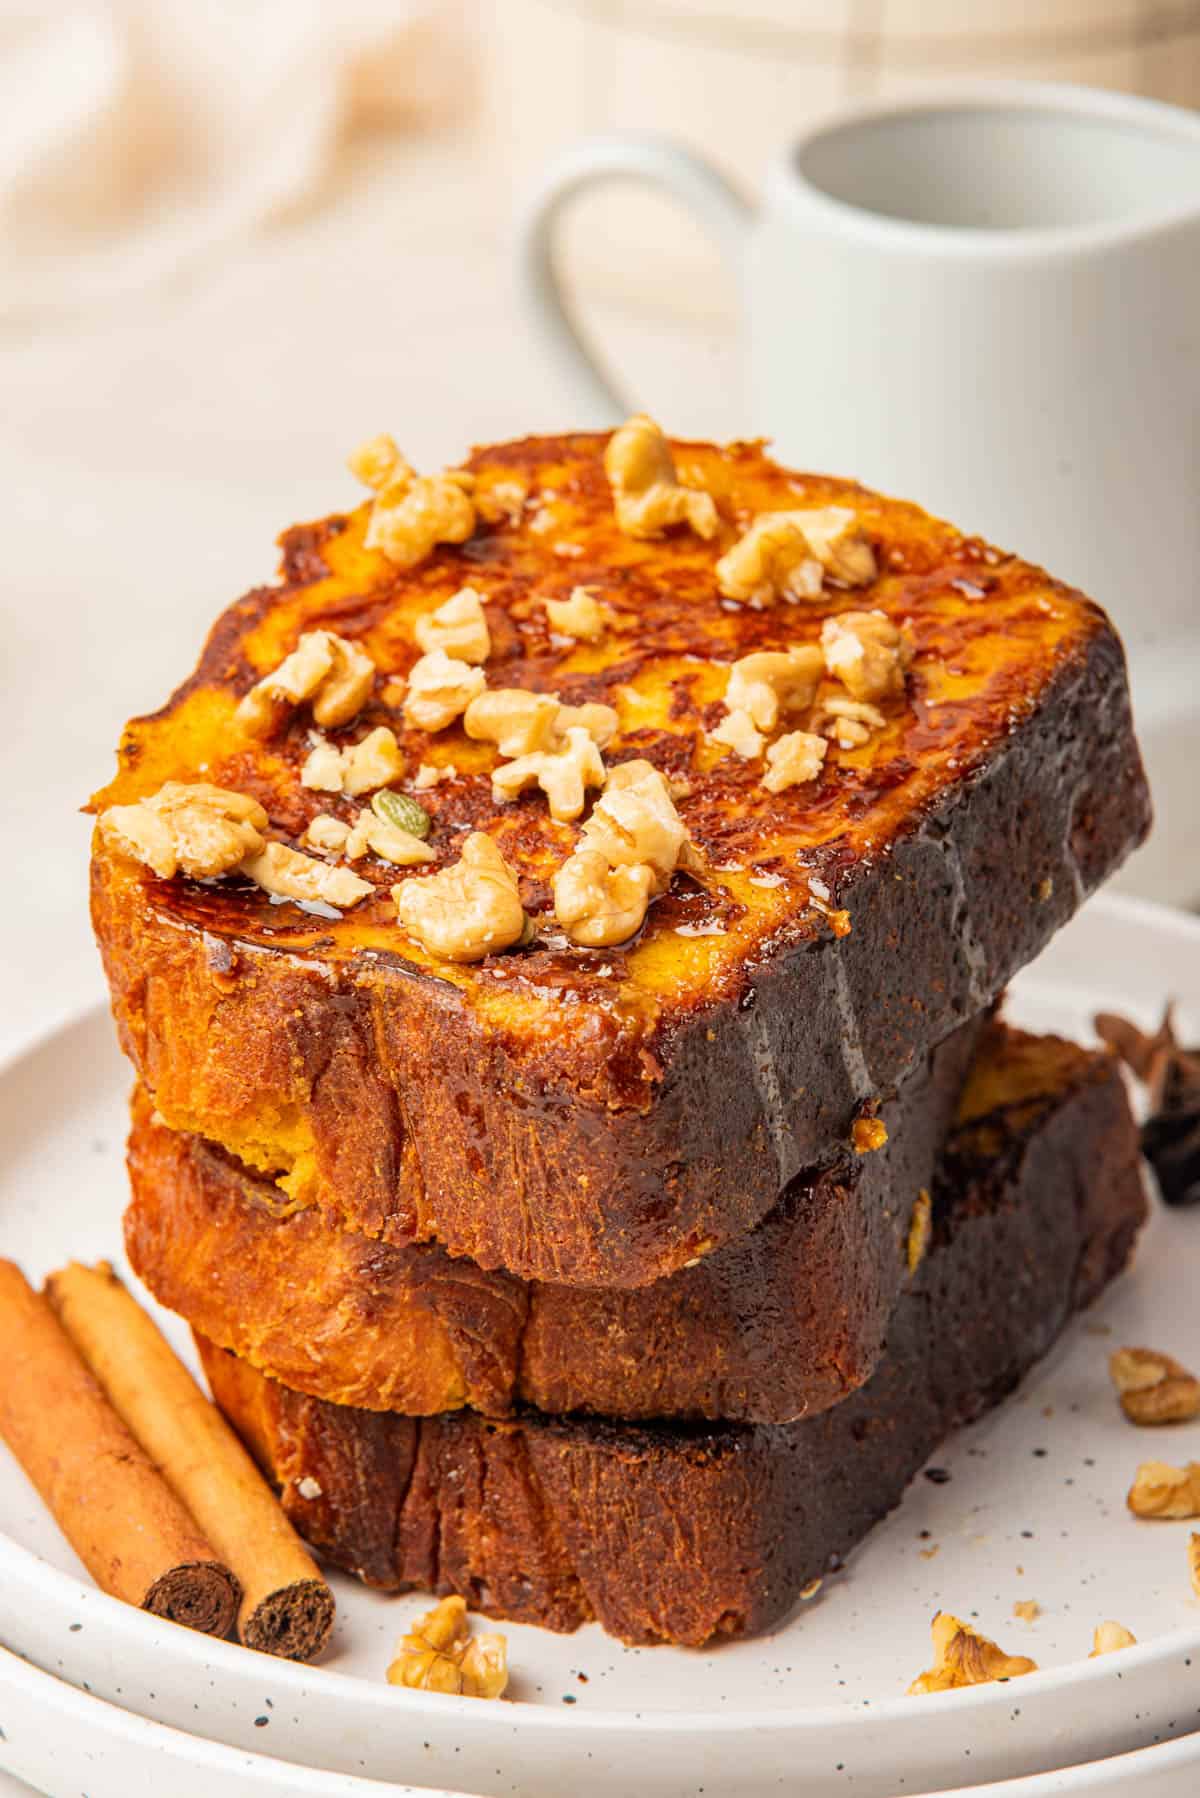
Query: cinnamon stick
[127, 1526]
[287, 1607]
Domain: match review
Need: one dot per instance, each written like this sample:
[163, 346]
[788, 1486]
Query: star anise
[1171, 1076]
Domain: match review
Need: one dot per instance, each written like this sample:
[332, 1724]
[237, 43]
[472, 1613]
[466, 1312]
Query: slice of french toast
[602, 1116]
[783, 1322]
[677, 1533]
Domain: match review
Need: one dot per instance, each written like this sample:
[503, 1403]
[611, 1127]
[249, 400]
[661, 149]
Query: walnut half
[962, 1657]
[466, 911]
[597, 905]
[439, 1654]
[1154, 1388]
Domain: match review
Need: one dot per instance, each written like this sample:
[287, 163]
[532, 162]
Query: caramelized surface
[990, 635]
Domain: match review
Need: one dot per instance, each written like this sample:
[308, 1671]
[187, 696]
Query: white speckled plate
[1033, 1508]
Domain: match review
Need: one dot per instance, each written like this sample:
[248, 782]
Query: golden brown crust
[681, 1534]
[785, 1321]
[474, 1105]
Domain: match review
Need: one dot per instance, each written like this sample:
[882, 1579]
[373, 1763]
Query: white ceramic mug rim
[790, 185]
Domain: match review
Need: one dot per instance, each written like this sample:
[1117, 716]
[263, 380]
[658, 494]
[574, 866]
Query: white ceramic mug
[988, 300]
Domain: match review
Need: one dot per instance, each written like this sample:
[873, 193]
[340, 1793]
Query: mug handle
[610, 156]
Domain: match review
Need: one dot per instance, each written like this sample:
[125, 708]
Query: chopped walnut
[634, 821]
[327, 833]
[440, 690]
[428, 775]
[388, 841]
[840, 544]
[770, 682]
[290, 875]
[920, 1231]
[459, 626]
[867, 653]
[582, 616]
[962, 1657]
[867, 1135]
[1110, 1637]
[439, 1654]
[520, 723]
[598, 905]
[772, 560]
[564, 775]
[647, 496]
[793, 759]
[516, 721]
[848, 722]
[785, 555]
[738, 731]
[1154, 1388]
[333, 674]
[1027, 1609]
[412, 513]
[467, 911]
[359, 768]
[195, 828]
[1160, 1490]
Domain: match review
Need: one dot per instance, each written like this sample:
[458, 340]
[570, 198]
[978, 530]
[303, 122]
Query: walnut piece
[359, 768]
[459, 626]
[440, 690]
[1154, 1388]
[469, 910]
[647, 496]
[1109, 1637]
[327, 833]
[439, 1654]
[333, 674]
[962, 1657]
[1027, 1609]
[771, 682]
[738, 731]
[786, 555]
[582, 616]
[848, 722]
[635, 821]
[598, 905]
[195, 829]
[1194, 1561]
[772, 560]
[520, 723]
[564, 775]
[1160, 1490]
[289, 875]
[412, 513]
[516, 721]
[867, 653]
[920, 1231]
[387, 841]
[793, 759]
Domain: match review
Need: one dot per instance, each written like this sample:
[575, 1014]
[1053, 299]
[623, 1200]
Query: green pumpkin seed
[403, 812]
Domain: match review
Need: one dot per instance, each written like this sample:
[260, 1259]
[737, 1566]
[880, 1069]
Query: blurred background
[237, 237]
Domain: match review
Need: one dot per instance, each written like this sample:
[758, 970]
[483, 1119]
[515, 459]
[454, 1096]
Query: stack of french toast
[559, 931]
